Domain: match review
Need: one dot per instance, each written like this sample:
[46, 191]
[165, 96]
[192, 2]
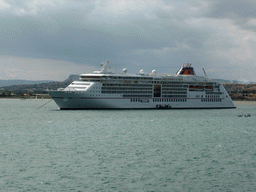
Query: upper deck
[185, 74]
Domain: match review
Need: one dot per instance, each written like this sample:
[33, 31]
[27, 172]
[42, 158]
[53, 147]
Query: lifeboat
[208, 87]
[199, 87]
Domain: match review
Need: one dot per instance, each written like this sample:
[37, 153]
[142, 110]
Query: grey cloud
[233, 9]
[70, 36]
[74, 31]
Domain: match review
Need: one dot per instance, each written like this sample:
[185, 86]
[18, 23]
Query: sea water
[45, 149]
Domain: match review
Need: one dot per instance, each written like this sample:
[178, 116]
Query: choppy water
[126, 150]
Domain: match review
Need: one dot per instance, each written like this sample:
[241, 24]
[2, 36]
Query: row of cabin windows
[174, 96]
[212, 96]
[131, 92]
[211, 100]
[91, 80]
[166, 81]
[174, 92]
[125, 85]
[214, 93]
[169, 100]
[181, 86]
[144, 96]
[141, 88]
[165, 94]
[132, 78]
[176, 88]
[125, 88]
[159, 100]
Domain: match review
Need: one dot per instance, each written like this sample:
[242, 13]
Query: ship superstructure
[106, 90]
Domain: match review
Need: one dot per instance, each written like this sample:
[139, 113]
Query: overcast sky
[51, 39]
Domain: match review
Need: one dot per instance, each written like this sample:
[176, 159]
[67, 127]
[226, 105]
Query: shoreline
[243, 101]
[28, 98]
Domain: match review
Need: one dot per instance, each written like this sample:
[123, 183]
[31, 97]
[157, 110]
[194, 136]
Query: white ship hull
[104, 90]
[75, 100]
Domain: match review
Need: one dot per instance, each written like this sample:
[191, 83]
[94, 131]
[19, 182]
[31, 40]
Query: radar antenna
[204, 73]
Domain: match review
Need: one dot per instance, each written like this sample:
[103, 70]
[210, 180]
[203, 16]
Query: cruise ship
[107, 90]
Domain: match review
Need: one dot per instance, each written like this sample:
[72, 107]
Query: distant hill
[37, 86]
[5, 83]
[73, 77]
[233, 81]
[20, 82]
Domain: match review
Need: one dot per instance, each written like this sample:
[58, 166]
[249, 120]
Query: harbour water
[47, 149]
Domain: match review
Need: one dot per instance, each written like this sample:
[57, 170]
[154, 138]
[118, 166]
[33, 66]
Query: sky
[51, 39]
